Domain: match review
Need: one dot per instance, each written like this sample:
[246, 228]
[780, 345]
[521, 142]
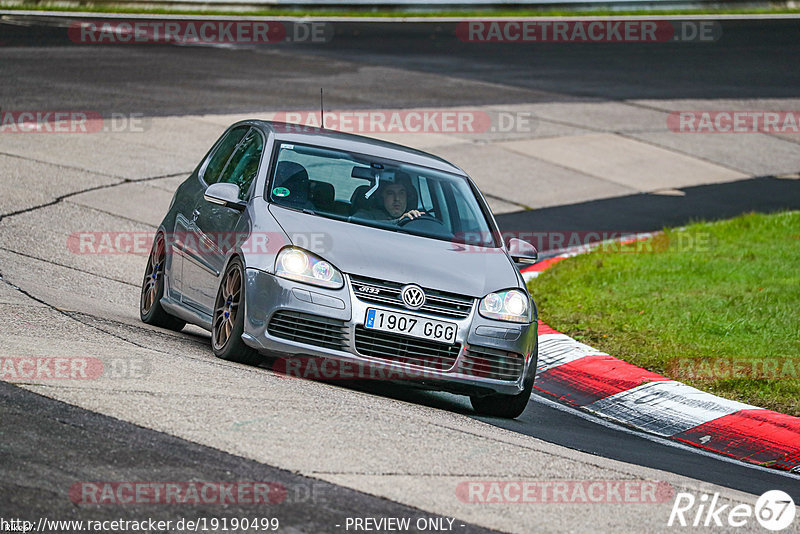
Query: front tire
[227, 325]
[150, 309]
[506, 406]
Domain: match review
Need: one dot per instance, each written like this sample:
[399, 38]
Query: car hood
[399, 257]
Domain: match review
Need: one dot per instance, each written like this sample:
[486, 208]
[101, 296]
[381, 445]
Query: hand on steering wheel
[406, 218]
[411, 215]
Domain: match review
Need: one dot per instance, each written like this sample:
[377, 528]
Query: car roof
[300, 134]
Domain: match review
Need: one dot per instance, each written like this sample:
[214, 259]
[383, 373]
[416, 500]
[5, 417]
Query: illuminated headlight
[297, 264]
[511, 305]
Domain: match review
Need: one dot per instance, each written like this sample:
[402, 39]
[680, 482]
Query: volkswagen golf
[290, 241]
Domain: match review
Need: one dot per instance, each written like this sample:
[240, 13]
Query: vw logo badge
[413, 297]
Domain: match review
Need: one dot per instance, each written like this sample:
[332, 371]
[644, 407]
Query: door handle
[195, 215]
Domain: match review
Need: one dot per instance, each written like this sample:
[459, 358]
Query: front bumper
[492, 344]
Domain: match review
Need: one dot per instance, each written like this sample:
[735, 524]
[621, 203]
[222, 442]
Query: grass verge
[714, 305]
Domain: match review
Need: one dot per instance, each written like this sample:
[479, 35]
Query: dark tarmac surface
[751, 59]
[48, 447]
[651, 212]
[564, 427]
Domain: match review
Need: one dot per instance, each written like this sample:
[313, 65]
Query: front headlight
[511, 305]
[297, 264]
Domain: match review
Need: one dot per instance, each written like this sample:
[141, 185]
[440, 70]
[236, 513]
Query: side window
[222, 154]
[242, 166]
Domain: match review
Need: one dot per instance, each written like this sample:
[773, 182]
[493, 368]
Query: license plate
[410, 325]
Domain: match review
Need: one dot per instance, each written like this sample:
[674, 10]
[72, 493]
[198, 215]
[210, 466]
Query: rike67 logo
[774, 511]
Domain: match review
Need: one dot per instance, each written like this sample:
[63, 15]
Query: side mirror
[522, 251]
[225, 195]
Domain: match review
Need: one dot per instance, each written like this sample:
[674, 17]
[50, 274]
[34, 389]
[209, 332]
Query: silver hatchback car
[313, 245]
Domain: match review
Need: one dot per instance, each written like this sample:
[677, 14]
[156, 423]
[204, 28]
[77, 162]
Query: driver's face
[394, 200]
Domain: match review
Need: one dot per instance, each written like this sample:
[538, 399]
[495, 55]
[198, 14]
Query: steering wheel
[423, 217]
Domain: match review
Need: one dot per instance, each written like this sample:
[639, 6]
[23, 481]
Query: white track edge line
[662, 441]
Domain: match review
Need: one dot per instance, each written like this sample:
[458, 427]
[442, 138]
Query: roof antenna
[321, 110]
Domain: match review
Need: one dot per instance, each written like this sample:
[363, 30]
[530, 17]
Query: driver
[392, 201]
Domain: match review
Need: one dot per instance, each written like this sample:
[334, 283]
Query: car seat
[293, 177]
[323, 196]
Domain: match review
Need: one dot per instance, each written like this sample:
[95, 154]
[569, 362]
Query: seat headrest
[294, 177]
[358, 200]
[323, 195]
[289, 170]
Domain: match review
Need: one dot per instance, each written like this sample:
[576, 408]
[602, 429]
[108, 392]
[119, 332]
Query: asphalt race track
[372, 65]
[57, 431]
[344, 450]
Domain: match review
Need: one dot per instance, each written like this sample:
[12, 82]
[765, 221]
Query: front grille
[491, 363]
[388, 294]
[404, 349]
[310, 329]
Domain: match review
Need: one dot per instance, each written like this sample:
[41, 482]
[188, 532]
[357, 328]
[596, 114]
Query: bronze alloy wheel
[227, 325]
[226, 307]
[153, 276]
[150, 309]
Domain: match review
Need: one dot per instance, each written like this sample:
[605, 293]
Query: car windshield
[379, 193]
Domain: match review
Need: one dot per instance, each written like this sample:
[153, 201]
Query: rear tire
[227, 325]
[150, 309]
